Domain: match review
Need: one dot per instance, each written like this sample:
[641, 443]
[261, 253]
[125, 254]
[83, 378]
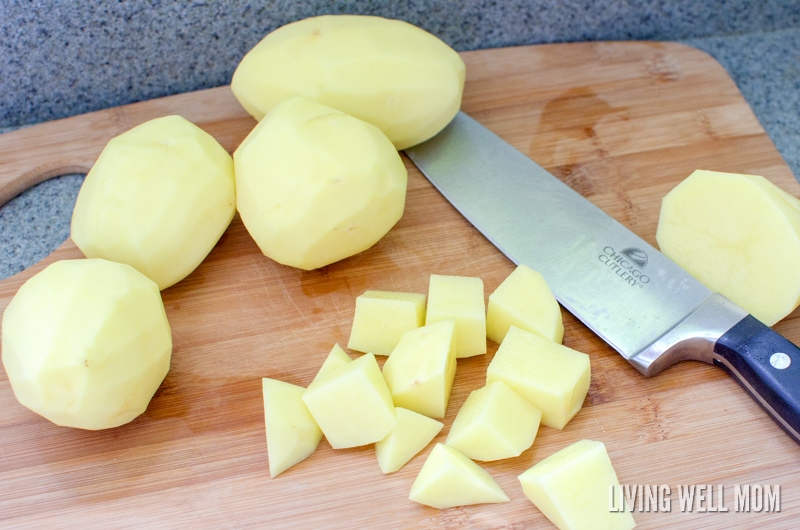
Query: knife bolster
[692, 338]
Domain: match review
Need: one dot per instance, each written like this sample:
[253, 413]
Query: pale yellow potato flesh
[382, 317]
[460, 298]
[422, 368]
[448, 479]
[352, 404]
[554, 377]
[158, 198]
[400, 78]
[315, 185]
[572, 488]
[412, 434]
[335, 358]
[292, 434]
[740, 236]
[86, 343]
[495, 422]
[525, 300]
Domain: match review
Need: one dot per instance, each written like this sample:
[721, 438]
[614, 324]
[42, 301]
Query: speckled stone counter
[59, 59]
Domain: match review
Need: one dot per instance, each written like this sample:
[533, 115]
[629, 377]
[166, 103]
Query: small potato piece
[422, 367]
[448, 479]
[572, 488]
[351, 404]
[158, 198]
[740, 236]
[460, 298]
[86, 343]
[389, 73]
[494, 423]
[336, 358]
[381, 318]
[411, 435]
[525, 300]
[315, 185]
[552, 376]
[292, 433]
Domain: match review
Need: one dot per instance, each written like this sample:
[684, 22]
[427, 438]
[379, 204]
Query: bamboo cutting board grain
[620, 122]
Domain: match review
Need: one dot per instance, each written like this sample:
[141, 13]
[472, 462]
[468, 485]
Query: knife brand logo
[628, 264]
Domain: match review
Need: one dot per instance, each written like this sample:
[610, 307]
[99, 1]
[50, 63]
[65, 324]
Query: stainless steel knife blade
[636, 299]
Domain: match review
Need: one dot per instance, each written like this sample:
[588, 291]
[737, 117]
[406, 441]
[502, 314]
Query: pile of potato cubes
[532, 380]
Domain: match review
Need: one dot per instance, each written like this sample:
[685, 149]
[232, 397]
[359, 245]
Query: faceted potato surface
[411, 435]
[86, 343]
[382, 317]
[552, 376]
[292, 433]
[315, 185]
[460, 298]
[448, 479]
[352, 404]
[158, 198]
[525, 300]
[495, 422]
[572, 488]
[740, 236]
[392, 74]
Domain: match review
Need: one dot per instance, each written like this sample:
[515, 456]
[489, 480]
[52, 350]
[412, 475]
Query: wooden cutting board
[620, 122]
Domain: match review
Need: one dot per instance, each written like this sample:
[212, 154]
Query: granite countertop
[64, 58]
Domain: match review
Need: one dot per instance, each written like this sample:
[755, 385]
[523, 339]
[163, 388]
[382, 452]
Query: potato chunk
[460, 298]
[572, 488]
[351, 404]
[525, 300]
[292, 433]
[315, 185]
[448, 479]
[381, 318]
[553, 377]
[411, 435]
[86, 343]
[387, 72]
[421, 369]
[158, 198]
[336, 358]
[495, 422]
[740, 236]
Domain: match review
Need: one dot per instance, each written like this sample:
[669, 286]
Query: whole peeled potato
[86, 343]
[158, 198]
[387, 72]
[315, 185]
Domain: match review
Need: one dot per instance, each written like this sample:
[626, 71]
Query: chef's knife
[637, 300]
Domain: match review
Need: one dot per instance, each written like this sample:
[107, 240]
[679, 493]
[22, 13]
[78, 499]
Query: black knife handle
[767, 366]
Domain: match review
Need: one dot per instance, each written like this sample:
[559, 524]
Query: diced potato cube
[292, 433]
[495, 422]
[525, 300]
[552, 376]
[421, 369]
[448, 479]
[381, 318]
[336, 358]
[352, 404]
[572, 488]
[411, 435]
[460, 298]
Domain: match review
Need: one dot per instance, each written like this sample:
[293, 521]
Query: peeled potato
[86, 343]
[387, 72]
[315, 185]
[158, 198]
[740, 236]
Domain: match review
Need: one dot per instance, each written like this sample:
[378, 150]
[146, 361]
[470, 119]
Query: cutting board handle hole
[31, 219]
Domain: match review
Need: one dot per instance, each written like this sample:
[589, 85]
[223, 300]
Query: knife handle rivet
[780, 360]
